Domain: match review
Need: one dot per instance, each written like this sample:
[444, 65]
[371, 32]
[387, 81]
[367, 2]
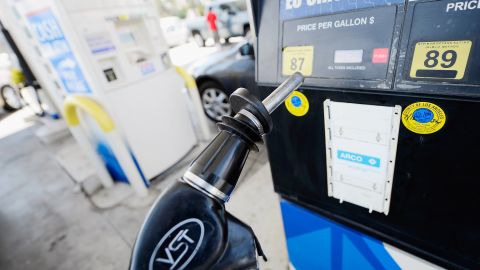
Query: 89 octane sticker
[440, 59]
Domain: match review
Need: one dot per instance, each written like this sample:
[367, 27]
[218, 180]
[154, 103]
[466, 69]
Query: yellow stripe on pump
[189, 80]
[196, 101]
[91, 107]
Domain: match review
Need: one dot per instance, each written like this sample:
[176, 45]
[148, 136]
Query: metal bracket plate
[361, 145]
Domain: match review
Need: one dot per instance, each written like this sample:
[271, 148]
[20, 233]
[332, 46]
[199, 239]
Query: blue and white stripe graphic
[293, 9]
[315, 242]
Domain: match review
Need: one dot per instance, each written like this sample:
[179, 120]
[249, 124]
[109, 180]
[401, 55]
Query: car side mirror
[246, 49]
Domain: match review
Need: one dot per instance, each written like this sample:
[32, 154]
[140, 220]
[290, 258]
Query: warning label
[423, 118]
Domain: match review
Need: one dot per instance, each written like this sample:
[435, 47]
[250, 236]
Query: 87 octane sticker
[297, 58]
[440, 59]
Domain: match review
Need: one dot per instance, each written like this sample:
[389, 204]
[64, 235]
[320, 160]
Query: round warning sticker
[423, 117]
[297, 103]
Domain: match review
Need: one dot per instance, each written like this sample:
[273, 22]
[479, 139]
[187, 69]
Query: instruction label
[440, 59]
[423, 118]
[100, 42]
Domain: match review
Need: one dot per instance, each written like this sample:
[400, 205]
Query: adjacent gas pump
[113, 53]
[374, 156]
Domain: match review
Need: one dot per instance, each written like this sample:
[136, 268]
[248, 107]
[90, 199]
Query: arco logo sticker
[423, 118]
[297, 103]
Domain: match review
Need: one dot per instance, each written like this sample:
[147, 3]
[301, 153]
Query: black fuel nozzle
[188, 227]
[216, 170]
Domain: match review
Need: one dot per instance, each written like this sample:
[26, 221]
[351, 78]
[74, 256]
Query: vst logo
[358, 158]
[178, 246]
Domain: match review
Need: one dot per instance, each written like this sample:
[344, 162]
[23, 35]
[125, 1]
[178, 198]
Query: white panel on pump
[155, 120]
[361, 143]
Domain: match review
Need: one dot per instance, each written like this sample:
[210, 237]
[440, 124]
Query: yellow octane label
[423, 117]
[297, 58]
[440, 59]
[297, 103]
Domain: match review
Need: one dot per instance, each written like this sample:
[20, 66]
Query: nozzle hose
[281, 93]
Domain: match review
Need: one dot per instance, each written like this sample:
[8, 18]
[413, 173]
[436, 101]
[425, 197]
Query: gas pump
[111, 56]
[374, 155]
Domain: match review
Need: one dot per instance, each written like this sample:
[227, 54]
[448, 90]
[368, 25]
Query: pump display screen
[348, 56]
[354, 45]
[444, 47]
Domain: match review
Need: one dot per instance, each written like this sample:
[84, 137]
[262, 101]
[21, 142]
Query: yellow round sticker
[297, 103]
[423, 117]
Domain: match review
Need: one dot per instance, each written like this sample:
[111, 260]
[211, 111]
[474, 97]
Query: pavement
[47, 222]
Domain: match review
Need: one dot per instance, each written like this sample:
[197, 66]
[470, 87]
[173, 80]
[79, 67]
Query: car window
[225, 7]
[240, 5]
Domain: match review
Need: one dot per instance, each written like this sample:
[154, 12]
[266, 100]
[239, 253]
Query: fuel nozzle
[188, 226]
[257, 114]
[216, 170]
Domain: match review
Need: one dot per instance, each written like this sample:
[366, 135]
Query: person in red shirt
[212, 25]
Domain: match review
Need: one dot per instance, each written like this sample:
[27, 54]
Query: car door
[242, 71]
